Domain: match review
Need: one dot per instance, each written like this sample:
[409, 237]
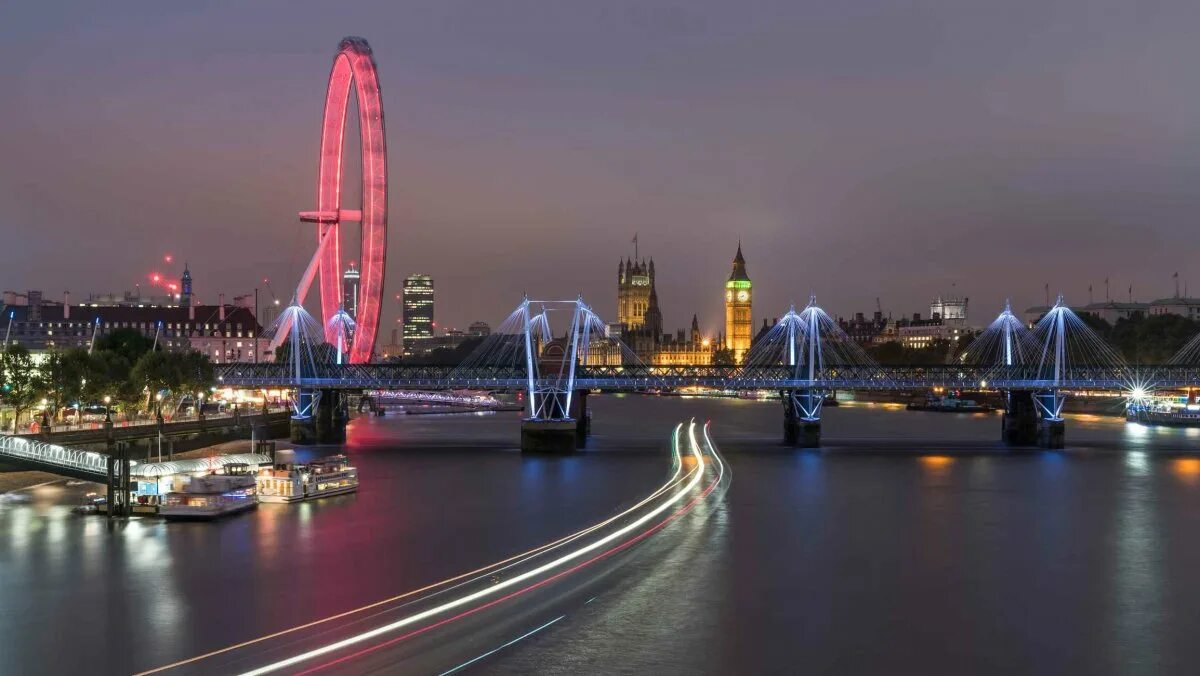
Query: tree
[22, 383]
[176, 373]
[891, 353]
[129, 343]
[64, 374]
[1153, 339]
[723, 357]
[109, 375]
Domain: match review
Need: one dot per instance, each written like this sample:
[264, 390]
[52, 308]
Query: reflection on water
[935, 464]
[1187, 469]
[918, 530]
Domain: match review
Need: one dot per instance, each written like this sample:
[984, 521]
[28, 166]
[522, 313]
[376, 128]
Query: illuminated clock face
[743, 296]
[728, 295]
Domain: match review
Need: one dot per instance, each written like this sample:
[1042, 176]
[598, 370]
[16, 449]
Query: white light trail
[462, 579]
[495, 589]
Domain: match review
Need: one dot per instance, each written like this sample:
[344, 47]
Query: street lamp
[158, 417]
[107, 409]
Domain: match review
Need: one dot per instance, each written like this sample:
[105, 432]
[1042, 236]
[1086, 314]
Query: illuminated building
[921, 333]
[226, 333]
[949, 310]
[738, 301]
[350, 290]
[418, 313]
[640, 324]
[479, 330]
[635, 283]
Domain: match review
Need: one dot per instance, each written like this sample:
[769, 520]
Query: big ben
[738, 297]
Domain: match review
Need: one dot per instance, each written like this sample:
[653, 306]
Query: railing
[93, 425]
[634, 377]
[42, 453]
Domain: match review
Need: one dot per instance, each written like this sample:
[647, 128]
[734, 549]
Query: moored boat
[1164, 411]
[293, 482]
[948, 404]
[213, 495]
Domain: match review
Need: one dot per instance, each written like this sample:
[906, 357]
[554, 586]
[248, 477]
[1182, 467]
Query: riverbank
[18, 481]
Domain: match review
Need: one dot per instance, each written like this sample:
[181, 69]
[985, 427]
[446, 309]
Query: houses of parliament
[640, 321]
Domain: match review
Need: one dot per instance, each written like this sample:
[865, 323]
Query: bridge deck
[35, 455]
[855, 377]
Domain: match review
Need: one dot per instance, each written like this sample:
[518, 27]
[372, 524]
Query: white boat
[293, 482]
[213, 495]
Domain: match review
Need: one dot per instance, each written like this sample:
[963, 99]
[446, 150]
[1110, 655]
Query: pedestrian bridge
[34, 455]
[804, 357]
[635, 378]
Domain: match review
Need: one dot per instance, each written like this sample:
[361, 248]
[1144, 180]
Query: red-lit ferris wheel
[353, 63]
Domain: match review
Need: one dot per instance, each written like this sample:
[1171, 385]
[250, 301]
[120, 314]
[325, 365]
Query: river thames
[912, 543]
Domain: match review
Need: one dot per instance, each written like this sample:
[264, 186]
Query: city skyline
[1003, 177]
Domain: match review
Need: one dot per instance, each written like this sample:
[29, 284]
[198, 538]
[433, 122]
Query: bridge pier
[802, 418]
[320, 419]
[1033, 419]
[1051, 427]
[549, 436]
[583, 418]
[117, 467]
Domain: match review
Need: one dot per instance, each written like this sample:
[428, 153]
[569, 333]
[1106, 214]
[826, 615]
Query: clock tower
[738, 297]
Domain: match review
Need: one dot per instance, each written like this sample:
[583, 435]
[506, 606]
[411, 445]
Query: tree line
[124, 367]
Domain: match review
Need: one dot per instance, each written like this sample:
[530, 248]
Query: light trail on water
[494, 590]
[618, 548]
[692, 477]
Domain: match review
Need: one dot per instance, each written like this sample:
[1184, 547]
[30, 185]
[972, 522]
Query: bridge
[804, 358]
[641, 378]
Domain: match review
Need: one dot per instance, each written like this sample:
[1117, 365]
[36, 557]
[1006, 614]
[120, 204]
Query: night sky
[858, 149]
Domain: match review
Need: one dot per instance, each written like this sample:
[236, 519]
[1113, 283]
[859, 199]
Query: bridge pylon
[811, 348]
[557, 419]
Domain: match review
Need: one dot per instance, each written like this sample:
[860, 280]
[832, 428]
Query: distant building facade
[949, 310]
[863, 330]
[639, 325]
[350, 283]
[1177, 305]
[418, 313]
[225, 332]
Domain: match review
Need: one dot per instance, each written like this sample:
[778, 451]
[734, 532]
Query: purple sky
[859, 149]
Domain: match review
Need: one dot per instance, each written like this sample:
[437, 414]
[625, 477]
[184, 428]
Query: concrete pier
[1019, 426]
[582, 416]
[326, 422]
[1027, 420]
[549, 436]
[800, 430]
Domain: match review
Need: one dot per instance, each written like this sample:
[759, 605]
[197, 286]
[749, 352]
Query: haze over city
[857, 150]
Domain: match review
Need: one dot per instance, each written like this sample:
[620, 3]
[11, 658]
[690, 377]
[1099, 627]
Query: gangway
[35, 455]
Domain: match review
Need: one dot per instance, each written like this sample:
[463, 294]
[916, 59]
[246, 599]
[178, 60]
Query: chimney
[191, 312]
[221, 310]
[66, 305]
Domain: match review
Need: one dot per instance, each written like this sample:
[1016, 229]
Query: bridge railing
[20, 448]
[873, 376]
